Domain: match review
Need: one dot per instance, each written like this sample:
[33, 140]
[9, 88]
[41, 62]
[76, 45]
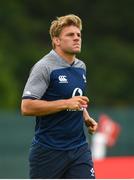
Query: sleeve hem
[28, 97]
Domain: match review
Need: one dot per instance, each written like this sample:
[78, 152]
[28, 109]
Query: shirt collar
[59, 58]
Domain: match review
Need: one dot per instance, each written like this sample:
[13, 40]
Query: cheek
[65, 43]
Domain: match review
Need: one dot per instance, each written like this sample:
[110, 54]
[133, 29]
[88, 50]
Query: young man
[54, 93]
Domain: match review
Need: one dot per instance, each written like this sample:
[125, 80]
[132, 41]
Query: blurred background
[107, 50]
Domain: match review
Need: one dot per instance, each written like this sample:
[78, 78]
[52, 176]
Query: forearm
[41, 107]
[36, 107]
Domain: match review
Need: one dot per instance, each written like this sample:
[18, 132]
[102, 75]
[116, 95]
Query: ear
[56, 41]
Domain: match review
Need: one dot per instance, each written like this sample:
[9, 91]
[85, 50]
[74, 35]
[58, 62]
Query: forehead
[70, 29]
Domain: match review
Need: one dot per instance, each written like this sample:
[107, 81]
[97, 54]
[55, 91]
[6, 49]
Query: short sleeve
[37, 82]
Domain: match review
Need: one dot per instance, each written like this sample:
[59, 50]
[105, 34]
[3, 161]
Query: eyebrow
[72, 33]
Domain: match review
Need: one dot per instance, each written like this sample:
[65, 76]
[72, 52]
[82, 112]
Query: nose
[76, 37]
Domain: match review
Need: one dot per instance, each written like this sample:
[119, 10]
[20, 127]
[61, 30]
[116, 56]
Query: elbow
[25, 111]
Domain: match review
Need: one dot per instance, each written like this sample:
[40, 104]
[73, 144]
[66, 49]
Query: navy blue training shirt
[52, 78]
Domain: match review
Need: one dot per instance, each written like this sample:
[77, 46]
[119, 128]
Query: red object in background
[110, 128]
[115, 168]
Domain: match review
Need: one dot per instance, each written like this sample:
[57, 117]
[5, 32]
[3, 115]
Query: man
[54, 93]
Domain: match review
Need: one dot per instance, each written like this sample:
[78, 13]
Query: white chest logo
[77, 92]
[63, 79]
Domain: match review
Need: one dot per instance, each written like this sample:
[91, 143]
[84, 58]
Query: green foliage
[108, 49]
[110, 68]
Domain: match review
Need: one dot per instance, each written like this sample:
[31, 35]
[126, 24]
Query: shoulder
[80, 64]
[44, 64]
[45, 61]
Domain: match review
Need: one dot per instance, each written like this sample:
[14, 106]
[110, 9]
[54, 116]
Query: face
[69, 40]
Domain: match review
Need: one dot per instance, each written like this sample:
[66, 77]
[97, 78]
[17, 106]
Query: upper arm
[37, 82]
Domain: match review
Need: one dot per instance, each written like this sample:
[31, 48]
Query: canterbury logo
[62, 79]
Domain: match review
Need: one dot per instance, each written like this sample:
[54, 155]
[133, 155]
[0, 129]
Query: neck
[68, 57]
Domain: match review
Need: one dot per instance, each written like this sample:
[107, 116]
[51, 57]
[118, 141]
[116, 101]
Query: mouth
[77, 45]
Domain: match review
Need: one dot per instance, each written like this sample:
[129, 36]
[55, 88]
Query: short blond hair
[63, 21]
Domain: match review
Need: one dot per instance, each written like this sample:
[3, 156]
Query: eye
[79, 35]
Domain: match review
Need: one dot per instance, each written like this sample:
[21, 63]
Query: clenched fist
[77, 102]
[90, 122]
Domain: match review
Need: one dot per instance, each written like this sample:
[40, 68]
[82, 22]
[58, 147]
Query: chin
[74, 51]
[77, 51]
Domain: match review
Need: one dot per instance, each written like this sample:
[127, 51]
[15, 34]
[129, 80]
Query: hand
[90, 122]
[77, 102]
